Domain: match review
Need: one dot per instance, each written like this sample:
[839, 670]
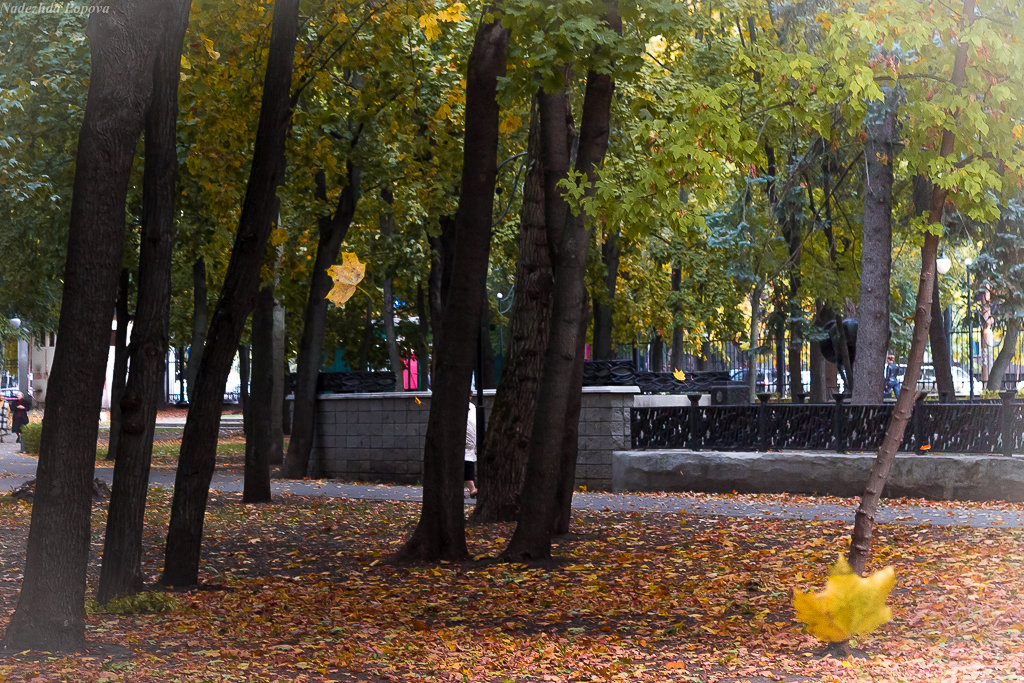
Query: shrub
[147, 602]
[30, 434]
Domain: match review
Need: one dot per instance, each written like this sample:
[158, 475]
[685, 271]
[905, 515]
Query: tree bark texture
[120, 372]
[238, 294]
[51, 605]
[676, 282]
[200, 321]
[332, 231]
[939, 343]
[863, 527]
[558, 398]
[121, 572]
[440, 532]
[876, 252]
[506, 443]
[256, 483]
[1005, 356]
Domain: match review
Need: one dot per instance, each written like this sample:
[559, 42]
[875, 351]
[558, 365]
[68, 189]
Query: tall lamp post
[970, 327]
[15, 322]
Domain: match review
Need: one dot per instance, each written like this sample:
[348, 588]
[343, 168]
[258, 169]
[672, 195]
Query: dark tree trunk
[120, 373]
[200, 321]
[506, 444]
[876, 251]
[819, 386]
[864, 522]
[557, 413]
[279, 368]
[796, 313]
[50, 612]
[570, 437]
[332, 234]
[258, 440]
[121, 571]
[238, 295]
[657, 353]
[440, 533]
[1005, 356]
[604, 304]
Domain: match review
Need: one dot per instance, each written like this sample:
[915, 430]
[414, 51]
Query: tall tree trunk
[256, 483]
[860, 540]
[876, 251]
[120, 373]
[755, 335]
[604, 303]
[245, 380]
[277, 415]
[502, 463]
[422, 340]
[440, 533]
[238, 294]
[200, 321]
[332, 231]
[557, 412]
[121, 571]
[1005, 356]
[50, 614]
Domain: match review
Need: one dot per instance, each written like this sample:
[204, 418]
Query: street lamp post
[970, 329]
[15, 322]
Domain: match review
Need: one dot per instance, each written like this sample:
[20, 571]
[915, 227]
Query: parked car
[961, 380]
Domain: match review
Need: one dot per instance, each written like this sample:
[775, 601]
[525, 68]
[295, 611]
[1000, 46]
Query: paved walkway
[16, 468]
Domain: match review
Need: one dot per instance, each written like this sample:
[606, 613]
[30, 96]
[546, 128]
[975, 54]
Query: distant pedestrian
[20, 414]
[892, 377]
[469, 464]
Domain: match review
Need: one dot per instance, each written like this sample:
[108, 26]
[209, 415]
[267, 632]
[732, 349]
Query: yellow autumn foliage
[849, 605]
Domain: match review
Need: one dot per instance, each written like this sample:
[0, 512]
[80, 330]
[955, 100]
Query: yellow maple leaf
[454, 13]
[510, 123]
[849, 605]
[428, 22]
[678, 374]
[346, 276]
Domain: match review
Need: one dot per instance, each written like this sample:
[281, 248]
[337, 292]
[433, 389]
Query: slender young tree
[50, 614]
[552, 459]
[860, 541]
[121, 572]
[332, 231]
[440, 533]
[237, 298]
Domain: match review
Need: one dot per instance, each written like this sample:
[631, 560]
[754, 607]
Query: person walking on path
[892, 380]
[469, 466]
[20, 416]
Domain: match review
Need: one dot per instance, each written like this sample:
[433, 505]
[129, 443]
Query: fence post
[762, 420]
[838, 423]
[918, 423]
[694, 440]
[1007, 415]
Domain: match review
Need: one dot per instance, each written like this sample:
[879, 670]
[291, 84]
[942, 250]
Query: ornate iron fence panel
[727, 428]
[801, 427]
[947, 428]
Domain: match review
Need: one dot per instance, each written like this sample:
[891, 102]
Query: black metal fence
[991, 427]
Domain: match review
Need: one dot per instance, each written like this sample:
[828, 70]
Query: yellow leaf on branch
[849, 605]
[346, 276]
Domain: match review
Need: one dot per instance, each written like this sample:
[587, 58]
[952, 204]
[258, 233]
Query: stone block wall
[380, 437]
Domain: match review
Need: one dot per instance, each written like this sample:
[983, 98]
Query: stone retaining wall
[937, 477]
[380, 437]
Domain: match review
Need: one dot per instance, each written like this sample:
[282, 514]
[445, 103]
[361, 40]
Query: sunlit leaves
[345, 276]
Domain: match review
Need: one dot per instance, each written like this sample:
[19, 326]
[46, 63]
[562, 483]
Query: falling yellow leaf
[428, 22]
[849, 605]
[346, 276]
[678, 374]
[208, 44]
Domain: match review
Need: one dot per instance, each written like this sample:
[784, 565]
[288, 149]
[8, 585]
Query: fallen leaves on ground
[301, 590]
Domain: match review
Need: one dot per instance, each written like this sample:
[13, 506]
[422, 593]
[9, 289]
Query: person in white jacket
[469, 466]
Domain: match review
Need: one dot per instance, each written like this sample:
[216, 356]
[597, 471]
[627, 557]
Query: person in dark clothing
[892, 380]
[20, 414]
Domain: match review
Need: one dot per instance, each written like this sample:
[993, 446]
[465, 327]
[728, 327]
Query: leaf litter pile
[301, 590]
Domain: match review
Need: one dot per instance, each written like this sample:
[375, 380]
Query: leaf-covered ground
[301, 590]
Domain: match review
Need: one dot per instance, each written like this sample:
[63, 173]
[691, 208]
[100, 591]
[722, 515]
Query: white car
[961, 380]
